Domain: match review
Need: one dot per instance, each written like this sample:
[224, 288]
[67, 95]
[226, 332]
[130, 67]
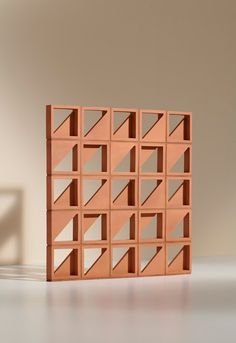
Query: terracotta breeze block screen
[118, 192]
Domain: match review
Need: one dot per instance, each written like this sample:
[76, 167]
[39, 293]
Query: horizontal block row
[93, 227]
[98, 123]
[90, 192]
[69, 157]
[118, 261]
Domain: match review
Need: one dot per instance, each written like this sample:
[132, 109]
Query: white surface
[196, 308]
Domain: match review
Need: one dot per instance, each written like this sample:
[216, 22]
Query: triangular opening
[90, 188]
[174, 186]
[149, 120]
[173, 251]
[60, 256]
[118, 186]
[119, 120]
[150, 230]
[174, 121]
[95, 162]
[60, 186]
[91, 256]
[147, 255]
[178, 167]
[118, 253]
[91, 118]
[66, 164]
[127, 163]
[123, 192]
[94, 232]
[181, 230]
[124, 232]
[151, 163]
[125, 122]
[67, 233]
[178, 231]
[148, 187]
[60, 116]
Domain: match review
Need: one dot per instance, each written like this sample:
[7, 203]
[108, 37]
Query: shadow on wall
[11, 226]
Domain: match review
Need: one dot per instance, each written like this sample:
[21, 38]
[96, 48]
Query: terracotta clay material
[119, 185]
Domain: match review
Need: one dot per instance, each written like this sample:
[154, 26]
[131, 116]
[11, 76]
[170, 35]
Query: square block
[151, 259]
[95, 157]
[178, 190]
[123, 226]
[178, 258]
[179, 127]
[96, 123]
[124, 124]
[63, 122]
[124, 158]
[152, 192]
[123, 192]
[151, 226]
[178, 225]
[63, 227]
[123, 260]
[95, 227]
[179, 159]
[95, 262]
[63, 263]
[63, 192]
[152, 159]
[63, 157]
[152, 126]
[95, 192]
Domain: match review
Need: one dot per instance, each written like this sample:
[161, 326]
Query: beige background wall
[177, 55]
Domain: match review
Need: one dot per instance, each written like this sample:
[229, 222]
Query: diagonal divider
[95, 124]
[95, 262]
[152, 126]
[177, 126]
[152, 192]
[66, 120]
[176, 256]
[176, 191]
[94, 194]
[123, 123]
[63, 193]
[151, 260]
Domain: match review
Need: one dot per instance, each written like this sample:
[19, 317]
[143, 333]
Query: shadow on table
[24, 273]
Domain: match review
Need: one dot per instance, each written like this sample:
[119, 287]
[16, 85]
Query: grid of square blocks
[146, 191]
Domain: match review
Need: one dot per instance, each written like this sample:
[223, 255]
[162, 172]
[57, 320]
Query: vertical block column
[95, 190]
[124, 192]
[152, 162]
[178, 191]
[63, 192]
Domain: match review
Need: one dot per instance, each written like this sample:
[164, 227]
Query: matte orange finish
[155, 219]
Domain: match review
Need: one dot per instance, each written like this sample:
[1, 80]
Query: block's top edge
[124, 109]
[118, 109]
[63, 107]
[94, 108]
[179, 113]
[152, 111]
